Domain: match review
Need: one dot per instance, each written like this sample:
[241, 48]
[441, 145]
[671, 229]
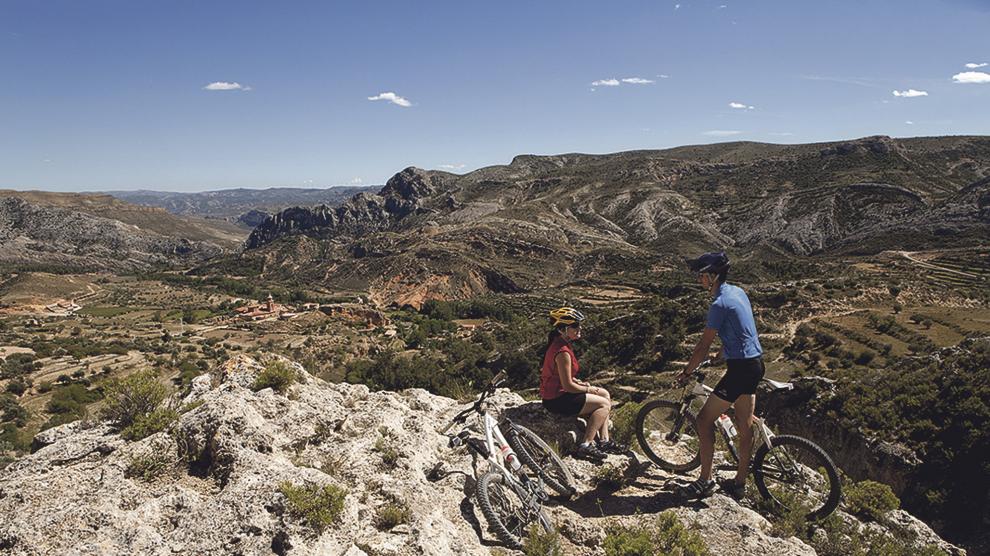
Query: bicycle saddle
[779, 385]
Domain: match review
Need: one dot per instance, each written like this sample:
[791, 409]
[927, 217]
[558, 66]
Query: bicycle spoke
[670, 435]
[793, 479]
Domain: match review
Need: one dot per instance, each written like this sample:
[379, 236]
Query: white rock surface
[228, 455]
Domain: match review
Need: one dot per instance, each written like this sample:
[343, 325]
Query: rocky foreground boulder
[215, 482]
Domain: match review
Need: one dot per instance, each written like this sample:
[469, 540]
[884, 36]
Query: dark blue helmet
[714, 262]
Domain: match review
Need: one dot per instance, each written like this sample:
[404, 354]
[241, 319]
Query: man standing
[731, 318]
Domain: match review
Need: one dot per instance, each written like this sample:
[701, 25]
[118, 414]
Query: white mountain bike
[509, 498]
[790, 471]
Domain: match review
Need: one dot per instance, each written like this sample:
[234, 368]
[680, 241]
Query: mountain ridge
[856, 196]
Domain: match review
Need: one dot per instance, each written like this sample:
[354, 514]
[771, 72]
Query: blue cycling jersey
[732, 316]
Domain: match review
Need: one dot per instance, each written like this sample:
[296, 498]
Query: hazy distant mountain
[235, 204]
[98, 232]
[542, 220]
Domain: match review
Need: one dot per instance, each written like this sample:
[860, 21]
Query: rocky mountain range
[246, 207]
[69, 230]
[543, 220]
[215, 482]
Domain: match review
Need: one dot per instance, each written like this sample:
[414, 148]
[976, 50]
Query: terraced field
[962, 269]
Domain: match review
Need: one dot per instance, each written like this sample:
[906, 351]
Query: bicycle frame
[530, 491]
[494, 441]
[761, 432]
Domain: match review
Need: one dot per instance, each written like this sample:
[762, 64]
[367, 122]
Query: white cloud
[741, 106]
[357, 181]
[722, 7]
[393, 98]
[910, 93]
[663, 76]
[909, 122]
[452, 166]
[972, 65]
[677, 6]
[605, 83]
[782, 133]
[971, 77]
[226, 86]
[637, 81]
[721, 133]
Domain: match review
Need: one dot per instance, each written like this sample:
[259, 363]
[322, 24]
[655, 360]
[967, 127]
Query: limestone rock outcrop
[212, 484]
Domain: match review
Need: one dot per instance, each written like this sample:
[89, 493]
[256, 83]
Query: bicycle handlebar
[496, 381]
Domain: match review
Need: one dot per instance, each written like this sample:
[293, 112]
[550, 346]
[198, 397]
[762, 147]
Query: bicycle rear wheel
[797, 475]
[668, 436]
[541, 459]
[508, 516]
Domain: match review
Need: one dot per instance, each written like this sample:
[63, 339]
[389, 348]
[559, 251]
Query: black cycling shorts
[568, 404]
[742, 377]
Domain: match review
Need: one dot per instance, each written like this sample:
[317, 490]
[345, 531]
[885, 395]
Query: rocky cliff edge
[211, 485]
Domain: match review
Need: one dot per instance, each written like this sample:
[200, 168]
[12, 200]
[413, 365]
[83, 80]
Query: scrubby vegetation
[870, 499]
[608, 477]
[135, 405]
[391, 514]
[941, 408]
[277, 375]
[148, 467]
[542, 543]
[318, 506]
[666, 535]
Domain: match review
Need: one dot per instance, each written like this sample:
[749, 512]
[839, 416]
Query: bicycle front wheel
[668, 436]
[508, 515]
[797, 475]
[539, 457]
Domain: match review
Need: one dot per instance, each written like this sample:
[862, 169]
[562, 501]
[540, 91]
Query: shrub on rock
[392, 514]
[871, 499]
[134, 403]
[277, 375]
[667, 535]
[542, 543]
[318, 506]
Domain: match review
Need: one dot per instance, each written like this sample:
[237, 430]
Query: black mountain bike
[792, 472]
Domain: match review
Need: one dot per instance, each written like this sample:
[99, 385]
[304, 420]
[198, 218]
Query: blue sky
[102, 95]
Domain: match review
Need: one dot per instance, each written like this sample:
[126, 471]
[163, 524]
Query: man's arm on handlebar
[700, 353]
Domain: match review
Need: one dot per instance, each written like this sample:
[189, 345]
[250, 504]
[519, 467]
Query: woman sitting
[564, 395]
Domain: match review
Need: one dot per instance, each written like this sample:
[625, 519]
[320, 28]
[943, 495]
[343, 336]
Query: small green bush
[318, 506]
[147, 467]
[390, 455]
[672, 537]
[133, 397]
[392, 514]
[542, 543]
[608, 477]
[666, 535]
[628, 541]
[146, 425]
[624, 423]
[277, 375]
[871, 500]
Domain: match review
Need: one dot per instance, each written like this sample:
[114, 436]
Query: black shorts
[568, 404]
[742, 377]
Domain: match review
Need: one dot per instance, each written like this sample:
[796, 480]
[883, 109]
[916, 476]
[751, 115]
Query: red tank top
[549, 377]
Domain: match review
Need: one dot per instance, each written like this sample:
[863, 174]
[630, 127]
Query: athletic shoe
[612, 447]
[699, 489]
[590, 452]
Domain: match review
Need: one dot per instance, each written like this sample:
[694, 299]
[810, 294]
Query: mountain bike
[509, 498]
[791, 472]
